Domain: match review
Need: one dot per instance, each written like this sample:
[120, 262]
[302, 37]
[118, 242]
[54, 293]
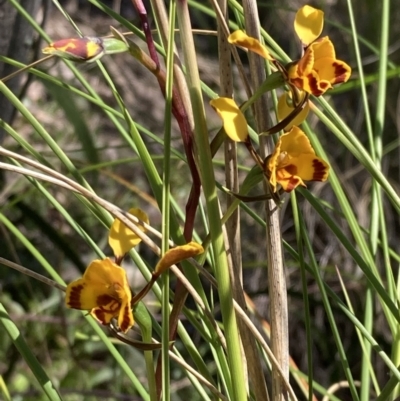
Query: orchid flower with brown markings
[318, 69]
[104, 291]
[293, 162]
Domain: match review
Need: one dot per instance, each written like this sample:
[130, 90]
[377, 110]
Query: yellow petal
[288, 178]
[177, 254]
[308, 24]
[102, 282]
[303, 66]
[272, 163]
[81, 296]
[311, 167]
[239, 38]
[121, 238]
[323, 48]
[123, 314]
[285, 107]
[310, 83]
[306, 167]
[295, 143]
[234, 121]
[104, 272]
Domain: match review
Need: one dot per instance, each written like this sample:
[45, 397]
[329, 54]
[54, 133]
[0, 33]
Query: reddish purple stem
[181, 117]
[180, 114]
[141, 10]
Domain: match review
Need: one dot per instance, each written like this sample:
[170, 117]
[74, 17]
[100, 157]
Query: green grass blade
[26, 352]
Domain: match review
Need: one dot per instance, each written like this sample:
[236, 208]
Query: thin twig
[28, 67]
[33, 274]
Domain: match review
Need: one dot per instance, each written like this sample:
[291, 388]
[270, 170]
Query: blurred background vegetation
[61, 339]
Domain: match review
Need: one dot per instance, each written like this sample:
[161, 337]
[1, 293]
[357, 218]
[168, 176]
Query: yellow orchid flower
[308, 24]
[235, 124]
[104, 291]
[121, 238]
[318, 70]
[293, 161]
[286, 106]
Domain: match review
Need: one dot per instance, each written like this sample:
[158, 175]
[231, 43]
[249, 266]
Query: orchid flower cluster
[104, 289]
[294, 160]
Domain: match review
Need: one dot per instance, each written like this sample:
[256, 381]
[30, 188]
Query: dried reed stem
[276, 275]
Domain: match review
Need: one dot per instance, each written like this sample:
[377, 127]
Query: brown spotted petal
[125, 317]
[332, 70]
[102, 316]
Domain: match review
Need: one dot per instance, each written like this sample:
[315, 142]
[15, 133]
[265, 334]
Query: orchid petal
[285, 107]
[234, 121]
[318, 70]
[239, 38]
[121, 238]
[308, 24]
[177, 254]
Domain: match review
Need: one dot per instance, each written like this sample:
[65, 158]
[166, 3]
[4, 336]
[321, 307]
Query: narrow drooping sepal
[177, 254]
[240, 38]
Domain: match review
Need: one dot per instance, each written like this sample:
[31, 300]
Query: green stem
[166, 203]
[238, 383]
[144, 321]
